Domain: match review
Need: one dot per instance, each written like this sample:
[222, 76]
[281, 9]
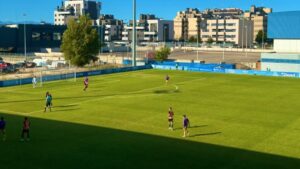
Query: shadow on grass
[91, 96]
[62, 145]
[165, 91]
[63, 110]
[205, 134]
[180, 128]
[161, 91]
[55, 98]
[66, 106]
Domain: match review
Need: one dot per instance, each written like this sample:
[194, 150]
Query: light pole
[198, 46]
[224, 44]
[262, 39]
[134, 35]
[243, 35]
[25, 43]
[246, 27]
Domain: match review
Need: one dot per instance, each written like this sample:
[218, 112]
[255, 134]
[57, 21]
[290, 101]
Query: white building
[230, 30]
[284, 29]
[159, 31]
[74, 9]
[152, 30]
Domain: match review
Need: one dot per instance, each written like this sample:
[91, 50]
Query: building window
[230, 30]
[56, 36]
[36, 36]
[230, 24]
[230, 36]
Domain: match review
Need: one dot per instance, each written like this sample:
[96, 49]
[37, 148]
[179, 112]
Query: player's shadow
[205, 134]
[55, 98]
[64, 110]
[161, 91]
[191, 127]
[165, 91]
[21, 101]
[65, 106]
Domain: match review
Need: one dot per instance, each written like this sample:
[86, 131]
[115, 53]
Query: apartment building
[150, 29]
[159, 31]
[259, 16]
[237, 31]
[112, 27]
[187, 24]
[75, 8]
[226, 12]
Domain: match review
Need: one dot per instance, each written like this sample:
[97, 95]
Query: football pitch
[120, 122]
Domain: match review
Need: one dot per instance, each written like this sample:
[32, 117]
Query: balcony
[150, 33]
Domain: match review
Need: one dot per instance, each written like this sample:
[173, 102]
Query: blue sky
[42, 10]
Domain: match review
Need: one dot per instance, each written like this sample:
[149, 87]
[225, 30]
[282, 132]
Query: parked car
[30, 64]
[3, 65]
[10, 68]
[19, 65]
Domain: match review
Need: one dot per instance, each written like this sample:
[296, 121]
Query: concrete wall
[280, 62]
[287, 45]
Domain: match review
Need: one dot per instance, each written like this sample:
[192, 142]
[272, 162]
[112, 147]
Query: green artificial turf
[121, 122]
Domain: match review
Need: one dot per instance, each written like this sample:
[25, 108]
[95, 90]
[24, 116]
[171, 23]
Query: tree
[261, 37]
[80, 42]
[162, 54]
[210, 40]
[192, 39]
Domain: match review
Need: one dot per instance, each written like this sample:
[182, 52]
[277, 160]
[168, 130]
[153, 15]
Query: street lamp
[198, 46]
[262, 39]
[243, 34]
[25, 43]
[134, 35]
[224, 31]
[246, 27]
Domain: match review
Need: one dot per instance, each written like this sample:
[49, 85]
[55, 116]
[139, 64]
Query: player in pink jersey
[25, 130]
[171, 118]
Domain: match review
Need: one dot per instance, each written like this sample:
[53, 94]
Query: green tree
[260, 37]
[192, 39]
[80, 42]
[210, 40]
[162, 54]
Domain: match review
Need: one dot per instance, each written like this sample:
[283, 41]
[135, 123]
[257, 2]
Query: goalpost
[69, 75]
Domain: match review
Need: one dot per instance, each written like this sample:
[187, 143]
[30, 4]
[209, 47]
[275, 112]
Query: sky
[42, 10]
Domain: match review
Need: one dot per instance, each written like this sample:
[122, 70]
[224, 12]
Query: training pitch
[120, 122]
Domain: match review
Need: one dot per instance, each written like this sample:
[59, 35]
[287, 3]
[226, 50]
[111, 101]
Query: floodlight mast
[134, 35]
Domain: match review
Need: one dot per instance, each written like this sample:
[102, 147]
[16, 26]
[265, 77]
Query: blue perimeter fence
[219, 68]
[193, 67]
[16, 82]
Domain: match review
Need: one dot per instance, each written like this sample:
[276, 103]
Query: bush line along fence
[16, 82]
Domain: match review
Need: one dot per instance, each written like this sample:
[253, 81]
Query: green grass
[121, 122]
